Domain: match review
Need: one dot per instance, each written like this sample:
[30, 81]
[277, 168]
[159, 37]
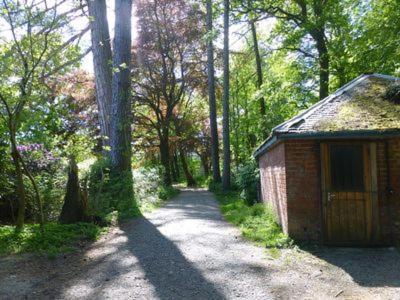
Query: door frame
[370, 178]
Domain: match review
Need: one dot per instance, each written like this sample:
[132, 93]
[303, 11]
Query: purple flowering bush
[38, 159]
[49, 173]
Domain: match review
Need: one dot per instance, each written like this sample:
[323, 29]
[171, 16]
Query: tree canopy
[183, 90]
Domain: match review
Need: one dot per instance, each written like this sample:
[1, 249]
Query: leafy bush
[55, 239]
[256, 222]
[247, 181]
[147, 186]
[107, 195]
[48, 170]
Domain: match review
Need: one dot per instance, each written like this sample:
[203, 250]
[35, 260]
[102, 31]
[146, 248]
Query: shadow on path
[170, 273]
[369, 267]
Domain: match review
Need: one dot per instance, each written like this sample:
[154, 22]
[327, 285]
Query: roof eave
[345, 134]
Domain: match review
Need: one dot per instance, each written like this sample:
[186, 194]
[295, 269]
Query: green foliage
[55, 239]
[149, 191]
[166, 193]
[247, 181]
[110, 193]
[256, 222]
[286, 90]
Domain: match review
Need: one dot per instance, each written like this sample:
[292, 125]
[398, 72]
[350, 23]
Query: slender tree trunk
[258, 65]
[176, 164]
[121, 151]
[20, 182]
[205, 163]
[323, 60]
[211, 97]
[236, 124]
[173, 170]
[36, 189]
[165, 158]
[226, 175]
[102, 59]
[189, 178]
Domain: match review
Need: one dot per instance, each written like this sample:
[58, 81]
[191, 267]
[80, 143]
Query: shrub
[147, 186]
[247, 181]
[107, 195]
[256, 222]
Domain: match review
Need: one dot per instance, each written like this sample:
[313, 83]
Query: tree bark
[20, 182]
[36, 189]
[211, 97]
[258, 65]
[189, 177]
[174, 175]
[176, 164]
[323, 59]
[120, 141]
[226, 175]
[165, 159]
[73, 209]
[102, 59]
[318, 34]
[205, 163]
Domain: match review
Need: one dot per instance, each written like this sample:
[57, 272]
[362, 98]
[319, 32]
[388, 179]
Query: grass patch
[256, 222]
[56, 238]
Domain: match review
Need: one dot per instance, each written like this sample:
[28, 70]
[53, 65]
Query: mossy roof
[360, 105]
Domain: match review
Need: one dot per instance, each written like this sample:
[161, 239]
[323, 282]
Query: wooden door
[346, 187]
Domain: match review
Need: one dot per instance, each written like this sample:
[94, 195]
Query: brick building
[332, 173]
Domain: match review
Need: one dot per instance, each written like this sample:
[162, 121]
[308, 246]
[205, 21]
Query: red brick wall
[303, 188]
[273, 182]
[291, 183]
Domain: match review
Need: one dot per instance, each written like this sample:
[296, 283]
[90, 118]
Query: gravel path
[185, 250]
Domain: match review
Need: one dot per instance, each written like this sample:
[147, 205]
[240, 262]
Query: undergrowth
[256, 222]
[164, 194]
[55, 239]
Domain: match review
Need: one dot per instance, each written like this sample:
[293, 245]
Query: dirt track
[186, 250]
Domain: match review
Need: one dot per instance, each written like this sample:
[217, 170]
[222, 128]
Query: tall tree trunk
[211, 97]
[236, 124]
[120, 135]
[258, 66]
[323, 60]
[102, 57]
[121, 151]
[174, 175]
[176, 165]
[165, 159]
[205, 163]
[189, 178]
[226, 175]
